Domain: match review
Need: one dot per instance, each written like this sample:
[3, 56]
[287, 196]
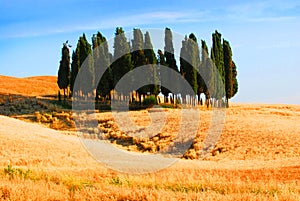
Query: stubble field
[257, 157]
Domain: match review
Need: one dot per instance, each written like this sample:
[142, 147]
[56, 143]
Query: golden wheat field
[257, 157]
[29, 86]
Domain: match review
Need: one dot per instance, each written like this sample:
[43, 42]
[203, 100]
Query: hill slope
[30, 86]
[48, 165]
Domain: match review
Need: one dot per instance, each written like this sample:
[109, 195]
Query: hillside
[30, 86]
[42, 164]
[257, 156]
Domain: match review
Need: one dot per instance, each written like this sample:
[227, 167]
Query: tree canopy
[214, 74]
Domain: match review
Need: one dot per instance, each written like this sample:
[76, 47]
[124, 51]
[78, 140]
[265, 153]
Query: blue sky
[264, 36]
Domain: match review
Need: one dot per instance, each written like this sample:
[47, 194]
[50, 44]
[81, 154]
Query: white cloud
[38, 28]
[264, 11]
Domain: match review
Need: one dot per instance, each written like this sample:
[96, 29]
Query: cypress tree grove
[217, 78]
[151, 60]
[122, 57]
[63, 79]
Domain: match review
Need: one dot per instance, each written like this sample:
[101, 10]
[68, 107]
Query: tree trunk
[64, 94]
[227, 102]
[59, 98]
[140, 98]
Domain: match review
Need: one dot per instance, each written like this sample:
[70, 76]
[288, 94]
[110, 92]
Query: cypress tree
[228, 70]
[184, 63]
[101, 62]
[170, 60]
[210, 82]
[234, 80]
[218, 59]
[196, 81]
[206, 70]
[190, 61]
[74, 69]
[63, 79]
[151, 60]
[75, 66]
[138, 58]
[88, 70]
[122, 57]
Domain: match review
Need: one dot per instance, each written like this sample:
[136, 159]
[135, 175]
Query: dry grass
[256, 158]
[60, 169]
[31, 86]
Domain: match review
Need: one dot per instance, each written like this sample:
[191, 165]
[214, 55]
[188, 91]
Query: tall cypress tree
[85, 55]
[170, 59]
[63, 79]
[228, 70]
[101, 62]
[206, 70]
[138, 58]
[234, 79]
[75, 66]
[74, 71]
[196, 81]
[210, 74]
[161, 61]
[152, 62]
[122, 57]
[190, 61]
[184, 63]
[218, 59]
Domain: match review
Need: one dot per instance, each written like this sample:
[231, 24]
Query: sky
[264, 36]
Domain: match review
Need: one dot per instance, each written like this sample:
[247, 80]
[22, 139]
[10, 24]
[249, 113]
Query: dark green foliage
[218, 59]
[234, 80]
[138, 58]
[206, 70]
[63, 79]
[87, 62]
[74, 67]
[122, 57]
[82, 52]
[161, 58]
[217, 78]
[101, 62]
[169, 50]
[170, 60]
[190, 61]
[150, 101]
[231, 85]
[228, 70]
[151, 60]
[162, 62]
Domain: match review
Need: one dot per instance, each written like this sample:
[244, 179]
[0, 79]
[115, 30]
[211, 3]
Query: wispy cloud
[254, 12]
[38, 28]
[264, 11]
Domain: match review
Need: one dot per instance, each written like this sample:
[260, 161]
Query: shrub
[150, 101]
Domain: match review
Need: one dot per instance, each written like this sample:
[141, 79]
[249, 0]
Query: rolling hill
[29, 86]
